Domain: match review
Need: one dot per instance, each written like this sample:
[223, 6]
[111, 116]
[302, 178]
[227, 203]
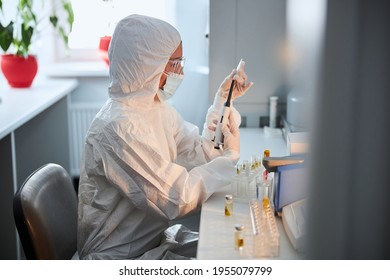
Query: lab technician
[143, 165]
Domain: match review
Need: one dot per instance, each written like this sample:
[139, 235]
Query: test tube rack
[243, 185]
[266, 238]
[243, 188]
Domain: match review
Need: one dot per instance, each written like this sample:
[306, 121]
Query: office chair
[45, 213]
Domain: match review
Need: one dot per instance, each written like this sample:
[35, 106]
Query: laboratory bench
[216, 231]
[34, 130]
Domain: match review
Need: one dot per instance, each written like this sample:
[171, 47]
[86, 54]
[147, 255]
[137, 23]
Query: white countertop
[255, 140]
[216, 231]
[18, 105]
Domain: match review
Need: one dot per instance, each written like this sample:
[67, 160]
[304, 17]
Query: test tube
[245, 167]
[254, 163]
[264, 190]
[238, 169]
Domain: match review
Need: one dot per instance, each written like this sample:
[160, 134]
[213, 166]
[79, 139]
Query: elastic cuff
[234, 156]
[218, 100]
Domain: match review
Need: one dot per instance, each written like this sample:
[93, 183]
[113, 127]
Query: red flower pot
[19, 71]
[103, 48]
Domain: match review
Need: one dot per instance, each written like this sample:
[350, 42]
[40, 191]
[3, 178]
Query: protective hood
[139, 51]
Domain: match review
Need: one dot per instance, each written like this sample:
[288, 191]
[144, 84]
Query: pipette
[218, 139]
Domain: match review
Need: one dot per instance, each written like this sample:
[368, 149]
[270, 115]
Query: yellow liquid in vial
[239, 242]
[265, 202]
[228, 209]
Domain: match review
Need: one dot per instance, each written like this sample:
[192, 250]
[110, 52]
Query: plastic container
[273, 111]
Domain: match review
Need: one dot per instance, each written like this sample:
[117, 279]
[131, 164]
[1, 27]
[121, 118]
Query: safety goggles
[175, 65]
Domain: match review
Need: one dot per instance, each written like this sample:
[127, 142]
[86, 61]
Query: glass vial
[228, 205]
[238, 236]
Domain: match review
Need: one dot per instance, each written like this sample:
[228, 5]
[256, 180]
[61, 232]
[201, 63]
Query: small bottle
[228, 205]
[238, 236]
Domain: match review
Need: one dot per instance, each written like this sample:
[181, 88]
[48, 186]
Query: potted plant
[105, 40]
[104, 43]
[19, 66]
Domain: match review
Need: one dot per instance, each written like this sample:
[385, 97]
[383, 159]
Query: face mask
[171, 84]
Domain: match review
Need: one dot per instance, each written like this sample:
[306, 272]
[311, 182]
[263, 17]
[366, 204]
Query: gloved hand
[231, 134]
[240, 85]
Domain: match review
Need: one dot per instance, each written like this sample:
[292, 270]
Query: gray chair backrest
[45, 213]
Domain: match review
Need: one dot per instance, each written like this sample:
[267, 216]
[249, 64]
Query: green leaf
[63, 35]
[25, 4]
[27, 32]
[6, 35]
[68, 8]
[54, 20]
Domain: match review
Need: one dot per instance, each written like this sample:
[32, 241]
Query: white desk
[216, 231]
[18, 106]
[34, 130]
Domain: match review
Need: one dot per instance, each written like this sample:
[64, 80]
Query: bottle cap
[228, 197]
[239, 227]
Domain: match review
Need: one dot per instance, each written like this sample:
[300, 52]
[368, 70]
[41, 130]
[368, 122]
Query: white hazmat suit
[143, 165]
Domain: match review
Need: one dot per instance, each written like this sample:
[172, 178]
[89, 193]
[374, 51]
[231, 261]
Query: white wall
[254, 30]
[350, 210]
[191, 99]
[305, 32]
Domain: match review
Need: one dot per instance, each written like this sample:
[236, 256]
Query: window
[97, 18]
